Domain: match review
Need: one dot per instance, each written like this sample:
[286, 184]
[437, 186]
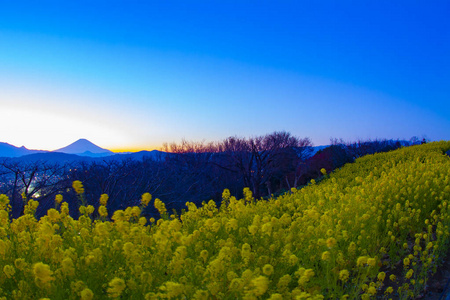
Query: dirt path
[439, 282]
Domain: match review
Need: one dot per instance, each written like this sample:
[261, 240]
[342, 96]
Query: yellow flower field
[375, 228]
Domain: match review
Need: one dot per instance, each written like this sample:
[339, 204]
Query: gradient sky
[136, 74]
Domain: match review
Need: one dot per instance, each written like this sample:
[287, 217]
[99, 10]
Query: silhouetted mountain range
[81, 150]
[82, 147]
[7, 150]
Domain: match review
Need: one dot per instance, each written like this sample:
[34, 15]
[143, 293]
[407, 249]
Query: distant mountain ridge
[81, 150]
[84, 147]
[8, 150]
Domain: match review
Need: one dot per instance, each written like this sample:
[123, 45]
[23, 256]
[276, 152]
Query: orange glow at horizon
[135, 149]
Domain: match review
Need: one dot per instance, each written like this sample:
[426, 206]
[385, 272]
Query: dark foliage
[194, 172]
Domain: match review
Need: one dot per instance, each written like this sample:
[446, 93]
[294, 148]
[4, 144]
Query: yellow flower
[103, 211]
[65, 208]
[344, 275]
[104, 199]
[142, 221]
[331, 242]
[204, 255]
[371, 262]
[276, 296]
[53, 214]
[233, 224]
[145, 199]
[236, 284]
[372, 290]
[309, 273]
[284, 282]
[173, 289]
[248, 195]
[128, 248]
[90, 209]
[326, 255]
[159, 205]
[323, 171]
[409, 273]
[135, 211]
[119, 215]
[116, 287]
[261, 285]
[253, 229]
[4, 201]
[86, 294]
[42, 273]
[361, 261]
[58, 198]
[268, 269]
[9, 271]
[293, 259]
[246, 248]
[78, 187]
[201, 295]
[68, 266]
[20, 263]
[406, 262]
[226, 194]
[381, 276]
[352, 248]
[389, 290]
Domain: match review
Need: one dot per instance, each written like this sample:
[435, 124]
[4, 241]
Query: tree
[23, 180]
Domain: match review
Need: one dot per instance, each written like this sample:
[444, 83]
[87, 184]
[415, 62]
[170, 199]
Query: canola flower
[78, 187]
[104, 199]
[339, 238]
[116, 287]
[58, 198]
[146, 198]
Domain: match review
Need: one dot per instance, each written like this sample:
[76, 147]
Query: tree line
[187, 171]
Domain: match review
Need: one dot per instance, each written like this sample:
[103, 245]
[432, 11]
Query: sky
[132, 75]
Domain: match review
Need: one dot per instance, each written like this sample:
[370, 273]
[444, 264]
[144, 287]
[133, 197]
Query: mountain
[84, 147]
[7, 150]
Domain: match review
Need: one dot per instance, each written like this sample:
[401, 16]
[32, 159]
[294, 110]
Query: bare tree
[23, 180]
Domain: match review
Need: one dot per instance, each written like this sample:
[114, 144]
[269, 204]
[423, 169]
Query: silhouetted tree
[23, 180]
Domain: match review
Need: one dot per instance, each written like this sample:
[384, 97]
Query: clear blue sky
[136, 74]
